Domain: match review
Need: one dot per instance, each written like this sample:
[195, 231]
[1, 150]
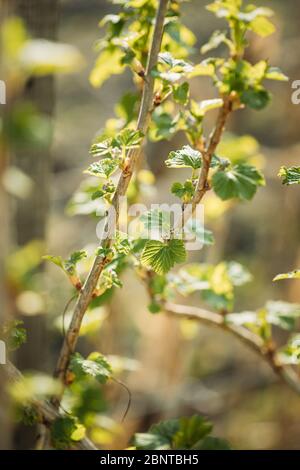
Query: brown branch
[251, 340]
[47, 413]
[87, 291]
[214, 140]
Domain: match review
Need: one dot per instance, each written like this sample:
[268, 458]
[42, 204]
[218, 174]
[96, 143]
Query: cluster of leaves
[69, 265]
[216, 284]
[125, 45]
[192, 433]
[229, 180]
[290, 175]
[66, 431]
[233, 175]
[113, 150]
[127, 39]
[281, 314]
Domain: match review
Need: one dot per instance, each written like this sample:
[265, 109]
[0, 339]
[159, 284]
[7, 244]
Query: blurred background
[171, 368]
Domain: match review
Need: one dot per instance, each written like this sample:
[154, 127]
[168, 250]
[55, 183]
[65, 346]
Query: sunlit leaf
[241, 181]
[291, 275]
[162, 256]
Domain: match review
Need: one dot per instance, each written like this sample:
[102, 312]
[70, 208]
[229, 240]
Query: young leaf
[128, 138]
[103, 168]
[290, 175]
[217, 38]
[241, 181]
[162, 256]
[184, 191]
[274, 73]
[200, 109]
[281, 314]
[71, 263]
[181, 93]
[292, 275]
[94, 366]
[290, 354]
[184, 158]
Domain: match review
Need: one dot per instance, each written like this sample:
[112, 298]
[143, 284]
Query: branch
[100, 262]
[214, 140]
[251, 340]
[46, 411]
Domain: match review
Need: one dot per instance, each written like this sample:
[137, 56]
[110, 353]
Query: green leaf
[181, 93]
[216, 283]
[262, 26]
[290, 354]
[200, 109]
[128, 138]
[102, 148]
[57, 260]
[256, 98]
[163, 125]
[71, 263]
[238, 274]
[65, 431]
[177, 64]
[190, 432]
[103, 168]
[95, 366]
[274, 73]
[290, 175]
[162, 256]
[204, 69]
[179, 434]
[184, 158]
[154, 307]
[108, 63]
[241, 181]
[184, 191]
[217, 38]
[292, 275]
[281, 314]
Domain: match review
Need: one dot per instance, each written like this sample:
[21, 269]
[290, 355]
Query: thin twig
[129, 397]
[251, 340]
[100, 262]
